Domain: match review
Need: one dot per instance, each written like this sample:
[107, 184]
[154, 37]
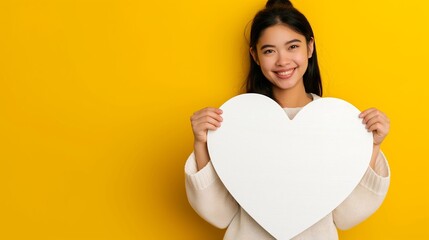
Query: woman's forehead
[279, 33]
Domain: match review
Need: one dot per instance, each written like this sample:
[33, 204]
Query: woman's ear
[310, 47]
[254, 55]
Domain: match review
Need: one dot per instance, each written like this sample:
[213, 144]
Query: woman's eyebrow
[288, 42]
[292, 41]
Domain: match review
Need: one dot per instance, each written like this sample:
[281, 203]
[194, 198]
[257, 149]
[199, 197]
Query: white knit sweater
[212, 201]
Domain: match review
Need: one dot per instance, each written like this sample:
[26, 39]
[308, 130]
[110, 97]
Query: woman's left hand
[376, 122]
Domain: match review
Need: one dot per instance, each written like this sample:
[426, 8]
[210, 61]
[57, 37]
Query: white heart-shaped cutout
[289, 174]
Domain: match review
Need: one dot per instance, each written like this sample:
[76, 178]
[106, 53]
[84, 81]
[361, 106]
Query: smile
[285, 74]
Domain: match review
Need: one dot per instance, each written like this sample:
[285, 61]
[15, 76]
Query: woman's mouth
[285, 73]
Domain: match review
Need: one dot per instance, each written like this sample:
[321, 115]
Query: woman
[283, 66]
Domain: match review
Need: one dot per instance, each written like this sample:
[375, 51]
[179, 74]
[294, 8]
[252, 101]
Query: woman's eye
[293, 47]
[268, 51]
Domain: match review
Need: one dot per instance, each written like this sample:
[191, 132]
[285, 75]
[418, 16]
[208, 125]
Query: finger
[203, 127]
[373, 113]
[374, 127]
[378, 131]
[207, 116]
[376, 119]
[207, 119]
[214, 112]
[209, 109]
[366, 112]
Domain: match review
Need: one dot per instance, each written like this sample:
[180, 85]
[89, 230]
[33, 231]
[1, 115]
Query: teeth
[285, 73]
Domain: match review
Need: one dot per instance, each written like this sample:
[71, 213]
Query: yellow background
[95, 100]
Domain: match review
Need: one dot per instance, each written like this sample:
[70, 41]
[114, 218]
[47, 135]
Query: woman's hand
[376, 122]
[202, 121]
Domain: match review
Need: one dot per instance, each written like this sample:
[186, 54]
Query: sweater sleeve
[207, 195]
[366, 198]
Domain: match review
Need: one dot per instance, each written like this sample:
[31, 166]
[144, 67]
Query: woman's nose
[283, 59]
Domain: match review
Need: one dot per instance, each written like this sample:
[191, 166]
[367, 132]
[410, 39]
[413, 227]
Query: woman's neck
[292, 98]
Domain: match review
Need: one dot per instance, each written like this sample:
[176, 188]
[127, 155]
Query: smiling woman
[283, 67]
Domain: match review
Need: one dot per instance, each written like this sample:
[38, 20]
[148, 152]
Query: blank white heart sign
[289, 174]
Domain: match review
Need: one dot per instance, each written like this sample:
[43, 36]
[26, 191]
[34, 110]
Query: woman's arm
[367, 197]
[206, 193]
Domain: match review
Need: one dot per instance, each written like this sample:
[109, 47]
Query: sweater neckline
[314, 96]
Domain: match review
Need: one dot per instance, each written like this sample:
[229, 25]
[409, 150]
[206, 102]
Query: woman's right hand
[204, 120]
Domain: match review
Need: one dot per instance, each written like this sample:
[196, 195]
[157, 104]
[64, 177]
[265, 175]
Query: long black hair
[281, 12]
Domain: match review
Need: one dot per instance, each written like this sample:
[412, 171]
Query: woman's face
[283, 56]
